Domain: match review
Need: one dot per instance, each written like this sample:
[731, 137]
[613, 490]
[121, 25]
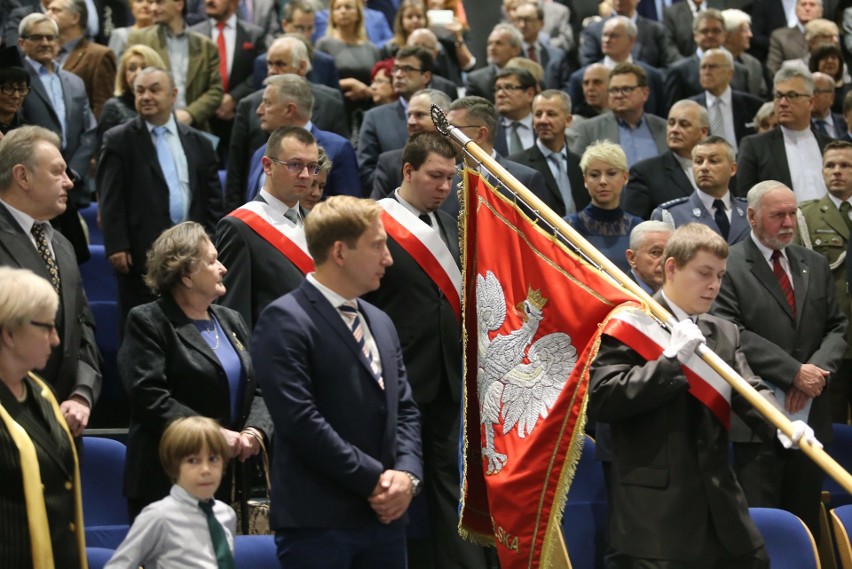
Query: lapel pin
[696, 212]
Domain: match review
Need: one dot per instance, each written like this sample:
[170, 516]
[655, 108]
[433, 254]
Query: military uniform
[691, 210]
[821, 228]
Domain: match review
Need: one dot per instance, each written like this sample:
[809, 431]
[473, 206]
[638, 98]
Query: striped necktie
[783, 280]
[356, 326]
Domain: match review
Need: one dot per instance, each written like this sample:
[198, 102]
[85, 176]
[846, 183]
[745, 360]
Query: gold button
[68, 486]
[72, 527]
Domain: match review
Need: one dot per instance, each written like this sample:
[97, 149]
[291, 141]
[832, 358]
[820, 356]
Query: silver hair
[787, 73]
[756, 193]
[637, 236]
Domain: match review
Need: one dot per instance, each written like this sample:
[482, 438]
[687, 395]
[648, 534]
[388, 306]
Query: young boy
[188, 528]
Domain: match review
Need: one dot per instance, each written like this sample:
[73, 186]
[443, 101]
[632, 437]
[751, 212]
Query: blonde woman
[122, 106]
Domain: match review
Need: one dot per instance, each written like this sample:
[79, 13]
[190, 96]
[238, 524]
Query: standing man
[192, 58]
[792, 152]
[238, 43]
[794, 334]
[640, 134]
[95, 64]
[788, 42]
[528, 17]
[347, 430]
[34, 190]
[738, 42]
[57, 99]
[714, 164]
[669, 176]
[566, 192]
[645, 254]
[263, 242]
[675, 500]
[514, 90]
[824, 226]
[504, 43]
[421, 292]
[154, 172]
[825, 121]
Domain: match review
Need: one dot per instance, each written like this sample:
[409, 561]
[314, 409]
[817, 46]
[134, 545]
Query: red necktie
[223, 55]
[783, 280]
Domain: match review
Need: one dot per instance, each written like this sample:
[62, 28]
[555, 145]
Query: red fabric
[515, 507]
[223, 54]
[275, 238]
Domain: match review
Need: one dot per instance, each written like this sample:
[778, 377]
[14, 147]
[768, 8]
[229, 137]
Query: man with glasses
[514, 90]
[154, 172]
[641, 135]
[504, 43]
[683, 78]
[14, 87]
[384, 128]
[262, 243]
[824, 120]
[57, 99]
[791, 153]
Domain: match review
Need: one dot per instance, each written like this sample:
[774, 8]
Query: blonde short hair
[150, 58]
[339, 218]
[187, 436]
[23, 295]
[605, 151]
[173, 255]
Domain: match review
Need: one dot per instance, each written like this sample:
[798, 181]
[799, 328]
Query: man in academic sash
[675, 499]
[263, 242]
[421, 293]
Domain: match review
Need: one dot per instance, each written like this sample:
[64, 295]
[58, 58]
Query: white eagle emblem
[509, 389]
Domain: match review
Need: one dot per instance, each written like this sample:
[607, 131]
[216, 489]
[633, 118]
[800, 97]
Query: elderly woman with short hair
[603, 223]
[182, 356]
[42, 509]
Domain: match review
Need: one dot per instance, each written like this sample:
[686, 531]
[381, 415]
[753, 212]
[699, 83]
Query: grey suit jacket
[691, 210]
[74, 363]
[384, 128]
[677, 20]
[81, 136]
[785, 43]
[653, 182]
[557, 25]
[776, 342]
[605, 126]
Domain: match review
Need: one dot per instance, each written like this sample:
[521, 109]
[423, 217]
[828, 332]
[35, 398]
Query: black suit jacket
[763, 157]
[257, 272]
[776, 342]
[672, 485]
[134, 196]
[653, 182]
[169, 372]
[337, 430]
[75, 363]
[533, 158]
[682, 80]
[428, 328]
[388, 175]
[480, 83]
[744, 106]
[766, 17]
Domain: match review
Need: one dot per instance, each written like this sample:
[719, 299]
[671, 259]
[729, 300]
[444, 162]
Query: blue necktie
[177, 201]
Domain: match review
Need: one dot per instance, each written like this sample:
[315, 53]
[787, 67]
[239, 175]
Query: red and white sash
[267, 222]
[425, 246]
[636, 329]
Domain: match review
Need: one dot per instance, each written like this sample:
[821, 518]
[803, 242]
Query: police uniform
[691, 210]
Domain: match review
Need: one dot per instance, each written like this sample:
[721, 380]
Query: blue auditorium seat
[584, 518]
[98, 556]
[104, 506]
[90, 216]
[98, 276]
[788, 541]
[255, 552]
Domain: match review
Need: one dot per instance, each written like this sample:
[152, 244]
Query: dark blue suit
[336, 429]
[343, 178]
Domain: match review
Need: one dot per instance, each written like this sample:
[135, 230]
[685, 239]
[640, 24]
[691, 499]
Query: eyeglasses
[49, 326]
[8, 89]
[297, 167]
[38, 38]
[405, 69]
[508, 88]
[466, 125]
[626, 90]
[792, 96]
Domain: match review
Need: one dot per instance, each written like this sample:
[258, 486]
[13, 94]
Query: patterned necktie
[223, 54]
[44, 250]
[177, 201]
[224, 556]
[844, 213]
[717, 121]
[351, 314]
[783, 280]
[515, 144]
[721, 218]
[424, 217]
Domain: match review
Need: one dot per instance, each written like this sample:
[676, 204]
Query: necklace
[214, 330]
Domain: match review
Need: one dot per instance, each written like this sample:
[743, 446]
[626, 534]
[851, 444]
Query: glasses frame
[292, 165]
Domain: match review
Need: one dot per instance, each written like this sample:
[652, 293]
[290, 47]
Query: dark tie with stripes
[783, 280]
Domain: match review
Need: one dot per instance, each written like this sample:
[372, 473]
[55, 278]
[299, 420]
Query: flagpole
[763, 406]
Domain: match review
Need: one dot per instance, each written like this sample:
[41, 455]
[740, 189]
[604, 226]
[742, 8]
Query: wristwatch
[416, 484]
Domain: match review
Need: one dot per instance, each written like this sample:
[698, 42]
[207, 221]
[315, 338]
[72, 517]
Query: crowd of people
[229, 146]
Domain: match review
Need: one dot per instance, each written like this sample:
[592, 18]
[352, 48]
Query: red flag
[531, 328]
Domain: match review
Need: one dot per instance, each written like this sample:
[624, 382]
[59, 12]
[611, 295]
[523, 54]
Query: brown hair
[173, 255]
[339, 218]
[187, 436]
[687, 240]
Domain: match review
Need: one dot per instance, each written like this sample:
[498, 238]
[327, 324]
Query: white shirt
[610, 63]
[679, 314]
[173, 532]
[176, 148]
[414, 211]
[230, 31]
[767, 255]
[525, 131]
[730, 133]
[805, 162]
[686, 166]
[281, 207]
[707, 200]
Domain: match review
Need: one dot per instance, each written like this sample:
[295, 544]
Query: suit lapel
[19, 246]
[778, 157]
[193, 68]
[186, 330]
[539, 162]
[739, 223]
[763, 273]
[677, 175]
[801, 278]
[610, 127]
[832, 217]
[161, 48]
[38, 88]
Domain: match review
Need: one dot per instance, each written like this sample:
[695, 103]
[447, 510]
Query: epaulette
[740, 199]
[671, 203]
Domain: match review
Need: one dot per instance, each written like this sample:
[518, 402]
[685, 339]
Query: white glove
[685, 338]
[800, 430]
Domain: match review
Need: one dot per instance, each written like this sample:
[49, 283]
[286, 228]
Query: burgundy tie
[531, 53]
[783, 280]
[223, 55]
